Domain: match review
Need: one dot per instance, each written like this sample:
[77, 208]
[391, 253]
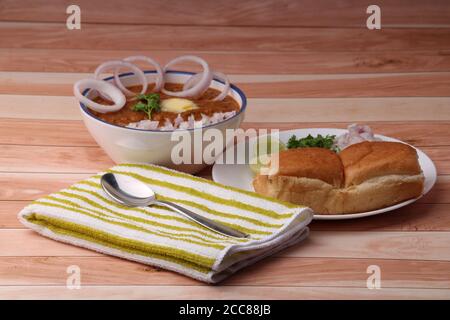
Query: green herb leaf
[320, 141]
[140, 106]
[148, 103]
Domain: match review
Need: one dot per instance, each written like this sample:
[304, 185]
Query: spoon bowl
[134, 193]
[127, 190]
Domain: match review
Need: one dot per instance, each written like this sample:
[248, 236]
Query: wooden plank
[439, 193]
[440, 157]
[8, 213]
[429, 214]
[276, 271]
[18, 158]
[426, 84]
[217, 293]
[320, 244]
[55, 159]
[347, 109]
[416, 217]
[17, 242]
[234, 12]
[74, 133]
[31, 186]
[382, 85]
[54, 107]
[284, 39]
[45, 132]
[377, 245]
[40, 83]
[314, 62]
[260, 109]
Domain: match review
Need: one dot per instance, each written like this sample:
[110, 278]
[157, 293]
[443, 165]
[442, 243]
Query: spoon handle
[207, 223]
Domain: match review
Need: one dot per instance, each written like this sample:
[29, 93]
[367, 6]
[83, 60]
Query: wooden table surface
[316, 66]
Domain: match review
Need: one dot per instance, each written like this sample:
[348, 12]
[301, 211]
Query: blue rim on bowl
[232, 86]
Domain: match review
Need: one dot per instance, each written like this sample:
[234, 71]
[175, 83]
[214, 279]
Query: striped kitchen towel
[84, 216]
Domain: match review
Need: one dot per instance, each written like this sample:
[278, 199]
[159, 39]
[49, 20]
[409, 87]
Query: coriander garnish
[320, 141]
[148, 103]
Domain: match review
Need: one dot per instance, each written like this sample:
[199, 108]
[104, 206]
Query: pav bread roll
[363, 177]
[366, 160]
[329, 169]
[305, 176]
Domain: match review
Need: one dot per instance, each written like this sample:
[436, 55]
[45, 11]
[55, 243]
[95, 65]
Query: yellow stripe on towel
[85, 216]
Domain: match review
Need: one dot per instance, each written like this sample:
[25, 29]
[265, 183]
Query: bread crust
[325, 199]
[314, 193]
[366, 160]
[314, 163]
[380, 192]
[376, 175]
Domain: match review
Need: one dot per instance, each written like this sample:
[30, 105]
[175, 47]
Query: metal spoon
[133, 193]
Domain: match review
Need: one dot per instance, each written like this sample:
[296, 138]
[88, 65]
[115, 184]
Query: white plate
[240, 175]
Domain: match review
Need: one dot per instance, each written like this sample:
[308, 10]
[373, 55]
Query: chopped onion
[117, 64]
[103, 87]
[159, 82]
[178, 120]
[144, 125]
[180, 124]
[201, 85]
[167, 126]
[219, 75]
[356, 134]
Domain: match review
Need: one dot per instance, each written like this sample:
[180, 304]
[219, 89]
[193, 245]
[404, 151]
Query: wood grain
[32, 185]
[234, 12]
[283, 39]
[440, 157]
[315, 64]
[74, 133]
[311, 62]
[438, 194]
[17, 158]
[8, 213]
[348, 109]
[34, 245]
[36, 132]
[62, 159]
[277, 271]
[385, 85]
[320, 244]
[219, 293]
[429, 214]
[414, 218]
[262, 109]
[373, 245]
[427, 84]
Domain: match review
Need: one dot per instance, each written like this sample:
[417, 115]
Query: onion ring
[118, 64]
[219, 75]
[192, 80]
[226, 88]
[103, 87]
[159, 73]
[200, 87]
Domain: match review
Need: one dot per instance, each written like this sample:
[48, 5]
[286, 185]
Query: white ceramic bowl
[153, 146]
